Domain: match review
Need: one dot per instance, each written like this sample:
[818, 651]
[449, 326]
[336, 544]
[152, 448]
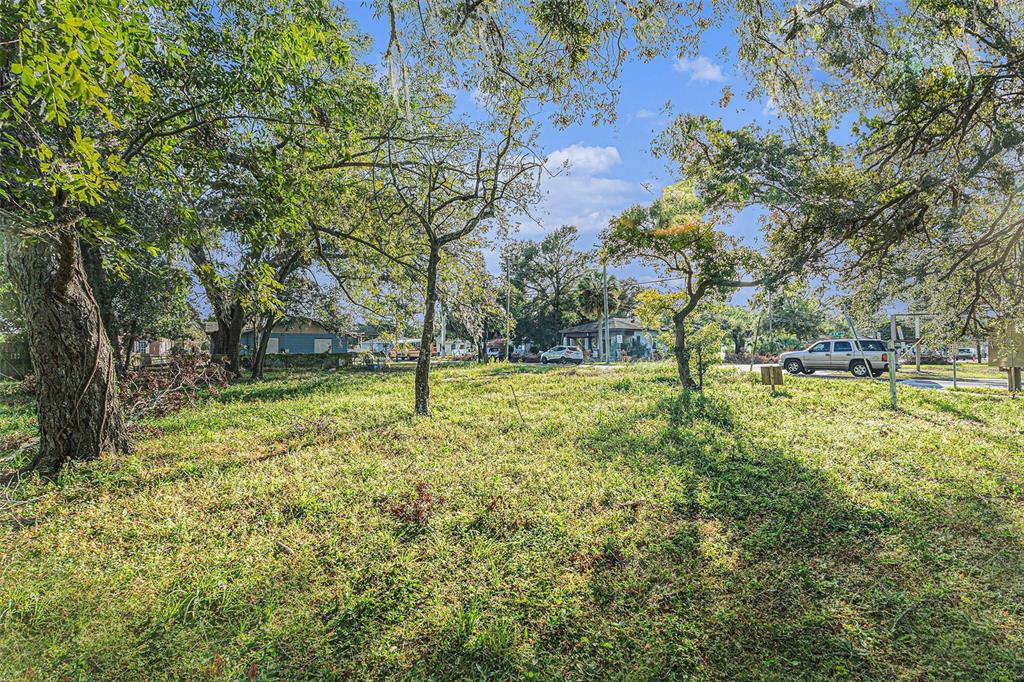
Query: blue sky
[611, 166]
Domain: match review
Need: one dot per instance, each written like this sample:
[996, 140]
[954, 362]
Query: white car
[563, 355]
[966, 354]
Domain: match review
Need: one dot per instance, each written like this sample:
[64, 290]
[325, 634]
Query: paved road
[922, 382]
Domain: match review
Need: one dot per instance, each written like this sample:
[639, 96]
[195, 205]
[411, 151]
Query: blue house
[292, 336]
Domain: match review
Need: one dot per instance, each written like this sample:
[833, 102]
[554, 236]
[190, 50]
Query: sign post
[1006, 351]
[771, 375]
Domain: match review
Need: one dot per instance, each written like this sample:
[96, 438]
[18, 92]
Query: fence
[14, 363]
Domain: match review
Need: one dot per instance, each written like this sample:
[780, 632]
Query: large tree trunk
[227, 340]
[234, 339]
[426, 338]
[260, 356]
[93, 262]
[78, 411]
[129, 347]
[229, 312]
[682, 352]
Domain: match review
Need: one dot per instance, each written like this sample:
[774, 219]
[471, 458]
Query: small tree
[674, 236]
[706, 349]
[655, 309]
[442, 188]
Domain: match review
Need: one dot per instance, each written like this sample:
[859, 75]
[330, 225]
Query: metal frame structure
[893, 356]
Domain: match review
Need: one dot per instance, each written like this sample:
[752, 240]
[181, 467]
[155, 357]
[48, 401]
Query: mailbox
[771, 375]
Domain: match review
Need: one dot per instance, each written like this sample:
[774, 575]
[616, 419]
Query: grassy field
[964, 370]
[567, 523]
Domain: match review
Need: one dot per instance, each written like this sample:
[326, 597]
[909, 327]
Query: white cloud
[576, 191]
[583, 160]
[701, 69]
[645, 113]
[770, 108]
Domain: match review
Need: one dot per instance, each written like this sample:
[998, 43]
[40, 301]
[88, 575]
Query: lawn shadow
[301, 385]
[786, 574]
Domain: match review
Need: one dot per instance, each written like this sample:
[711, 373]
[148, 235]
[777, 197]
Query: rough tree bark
[233, 335]
[426, 338]
[260, 356]
[129, 347]
[682, 350]
[78, 411]
[93, 263]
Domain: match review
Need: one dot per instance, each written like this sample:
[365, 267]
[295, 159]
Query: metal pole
[954, 367]
[607, 349]
[771, 326]
[444, 328]
[917, 343]
[508, 314]
[892, 360]
[856, 339]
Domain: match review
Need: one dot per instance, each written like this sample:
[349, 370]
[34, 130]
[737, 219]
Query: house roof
[364, 330]
[620, 324]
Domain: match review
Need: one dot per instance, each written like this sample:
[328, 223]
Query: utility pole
[444, 328]
[607, 350]
[917, 343]
[892, 360]
[508, 313]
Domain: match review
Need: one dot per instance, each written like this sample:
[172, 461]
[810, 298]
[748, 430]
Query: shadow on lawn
[300, 385]
[764, 568]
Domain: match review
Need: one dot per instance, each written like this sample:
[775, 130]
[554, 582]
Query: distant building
[457, 347]
[291, 336]
[625, 335]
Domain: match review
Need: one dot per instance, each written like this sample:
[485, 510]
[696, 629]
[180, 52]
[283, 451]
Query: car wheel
[859, 369]
[564, 361]
[808, 371]
[577, 362]
[794, 366]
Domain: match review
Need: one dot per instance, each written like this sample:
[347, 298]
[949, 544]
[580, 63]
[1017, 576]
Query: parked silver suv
[862, 358]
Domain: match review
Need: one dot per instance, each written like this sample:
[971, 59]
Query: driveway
[923, 382]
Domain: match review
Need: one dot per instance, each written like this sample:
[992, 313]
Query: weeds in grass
[627, 530]
[415, 508]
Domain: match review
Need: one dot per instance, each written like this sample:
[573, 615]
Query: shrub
[744, 358]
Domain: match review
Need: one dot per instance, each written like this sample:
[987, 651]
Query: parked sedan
[563, 355]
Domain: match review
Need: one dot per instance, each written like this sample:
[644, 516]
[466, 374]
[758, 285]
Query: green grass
[312, 528]
[964, 370]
